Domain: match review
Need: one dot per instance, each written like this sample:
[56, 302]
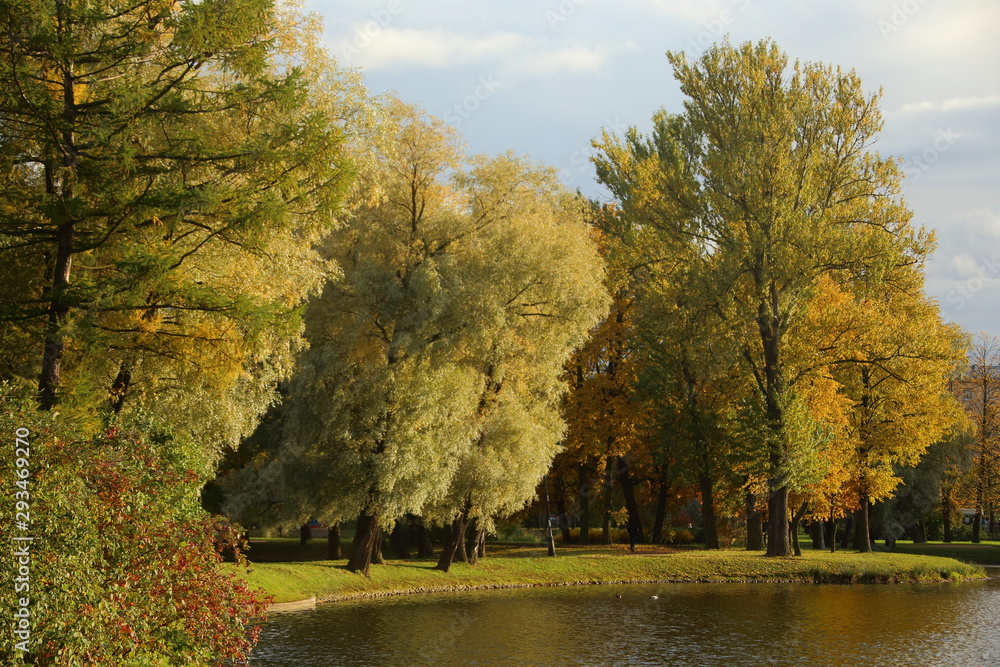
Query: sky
[544, 77]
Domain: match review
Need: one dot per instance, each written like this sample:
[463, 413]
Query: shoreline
[329, 581]
[313, 602]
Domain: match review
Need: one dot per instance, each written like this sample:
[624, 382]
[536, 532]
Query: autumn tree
[166, 169]
[606, 442]
[690, 372]
[980, 394]
[430, 378]
[895, 369]
[768, 176]
[534, 288]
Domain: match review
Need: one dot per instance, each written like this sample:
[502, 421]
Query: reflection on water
[689, 624]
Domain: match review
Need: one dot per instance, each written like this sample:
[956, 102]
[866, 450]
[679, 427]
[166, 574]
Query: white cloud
[697, 10]
[390, 48]
[516, 55]
[951, 104]
[574, 59]
[965, 265]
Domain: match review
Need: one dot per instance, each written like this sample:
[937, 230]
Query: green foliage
[433, 374]
[164, 181]
[514, 531]
[124, 565]
[744, 211]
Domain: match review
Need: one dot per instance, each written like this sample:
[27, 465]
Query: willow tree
[165, 175]
[532, 290]
[462, 282]
[770, 177]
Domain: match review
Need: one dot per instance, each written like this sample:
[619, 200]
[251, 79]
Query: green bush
[124, 564]
[618, 535]
[510, 531]
[678, 536]
[961, 532]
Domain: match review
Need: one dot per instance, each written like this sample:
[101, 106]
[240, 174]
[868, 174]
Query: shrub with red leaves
[125, 566]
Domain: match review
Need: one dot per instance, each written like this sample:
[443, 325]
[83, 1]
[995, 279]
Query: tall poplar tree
[769, 175]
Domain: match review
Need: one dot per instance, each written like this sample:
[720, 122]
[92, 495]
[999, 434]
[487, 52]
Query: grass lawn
[527, 565]
[985, 553]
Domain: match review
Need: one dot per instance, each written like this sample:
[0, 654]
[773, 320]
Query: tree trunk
[755, 540]
[564, 529]
[305, 534]
[816, 531]
[661, 503]
[708, 512]
[397, 539]
[468, 543]
[50, 379]
[377, 557]
[333, 551]
[455, 541]
[474, 544]
[424, 547]
[122, 382]
[450, 545]
[366, 537]
[778, 543]
[946, 514]
[583, 484]
[977, 526]
[848, 531]
[606, 516]
[628, 492]
[862, 532]
[461, 554]
[481, 544]
[794, 528]
[917, 531]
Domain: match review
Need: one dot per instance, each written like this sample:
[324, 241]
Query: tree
[165, 174]
[430, 372]
[125, 566]
[980, 394]
[534, 288]
[895, 370]
[771, 181]
[378, 404]
[607, 420]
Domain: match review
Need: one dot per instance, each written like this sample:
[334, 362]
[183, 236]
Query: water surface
[689, 624]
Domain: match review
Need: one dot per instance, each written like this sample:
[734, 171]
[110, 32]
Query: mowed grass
[985, 553]
[508, 567]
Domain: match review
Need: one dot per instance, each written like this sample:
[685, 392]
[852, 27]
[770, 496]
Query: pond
[687, 624]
